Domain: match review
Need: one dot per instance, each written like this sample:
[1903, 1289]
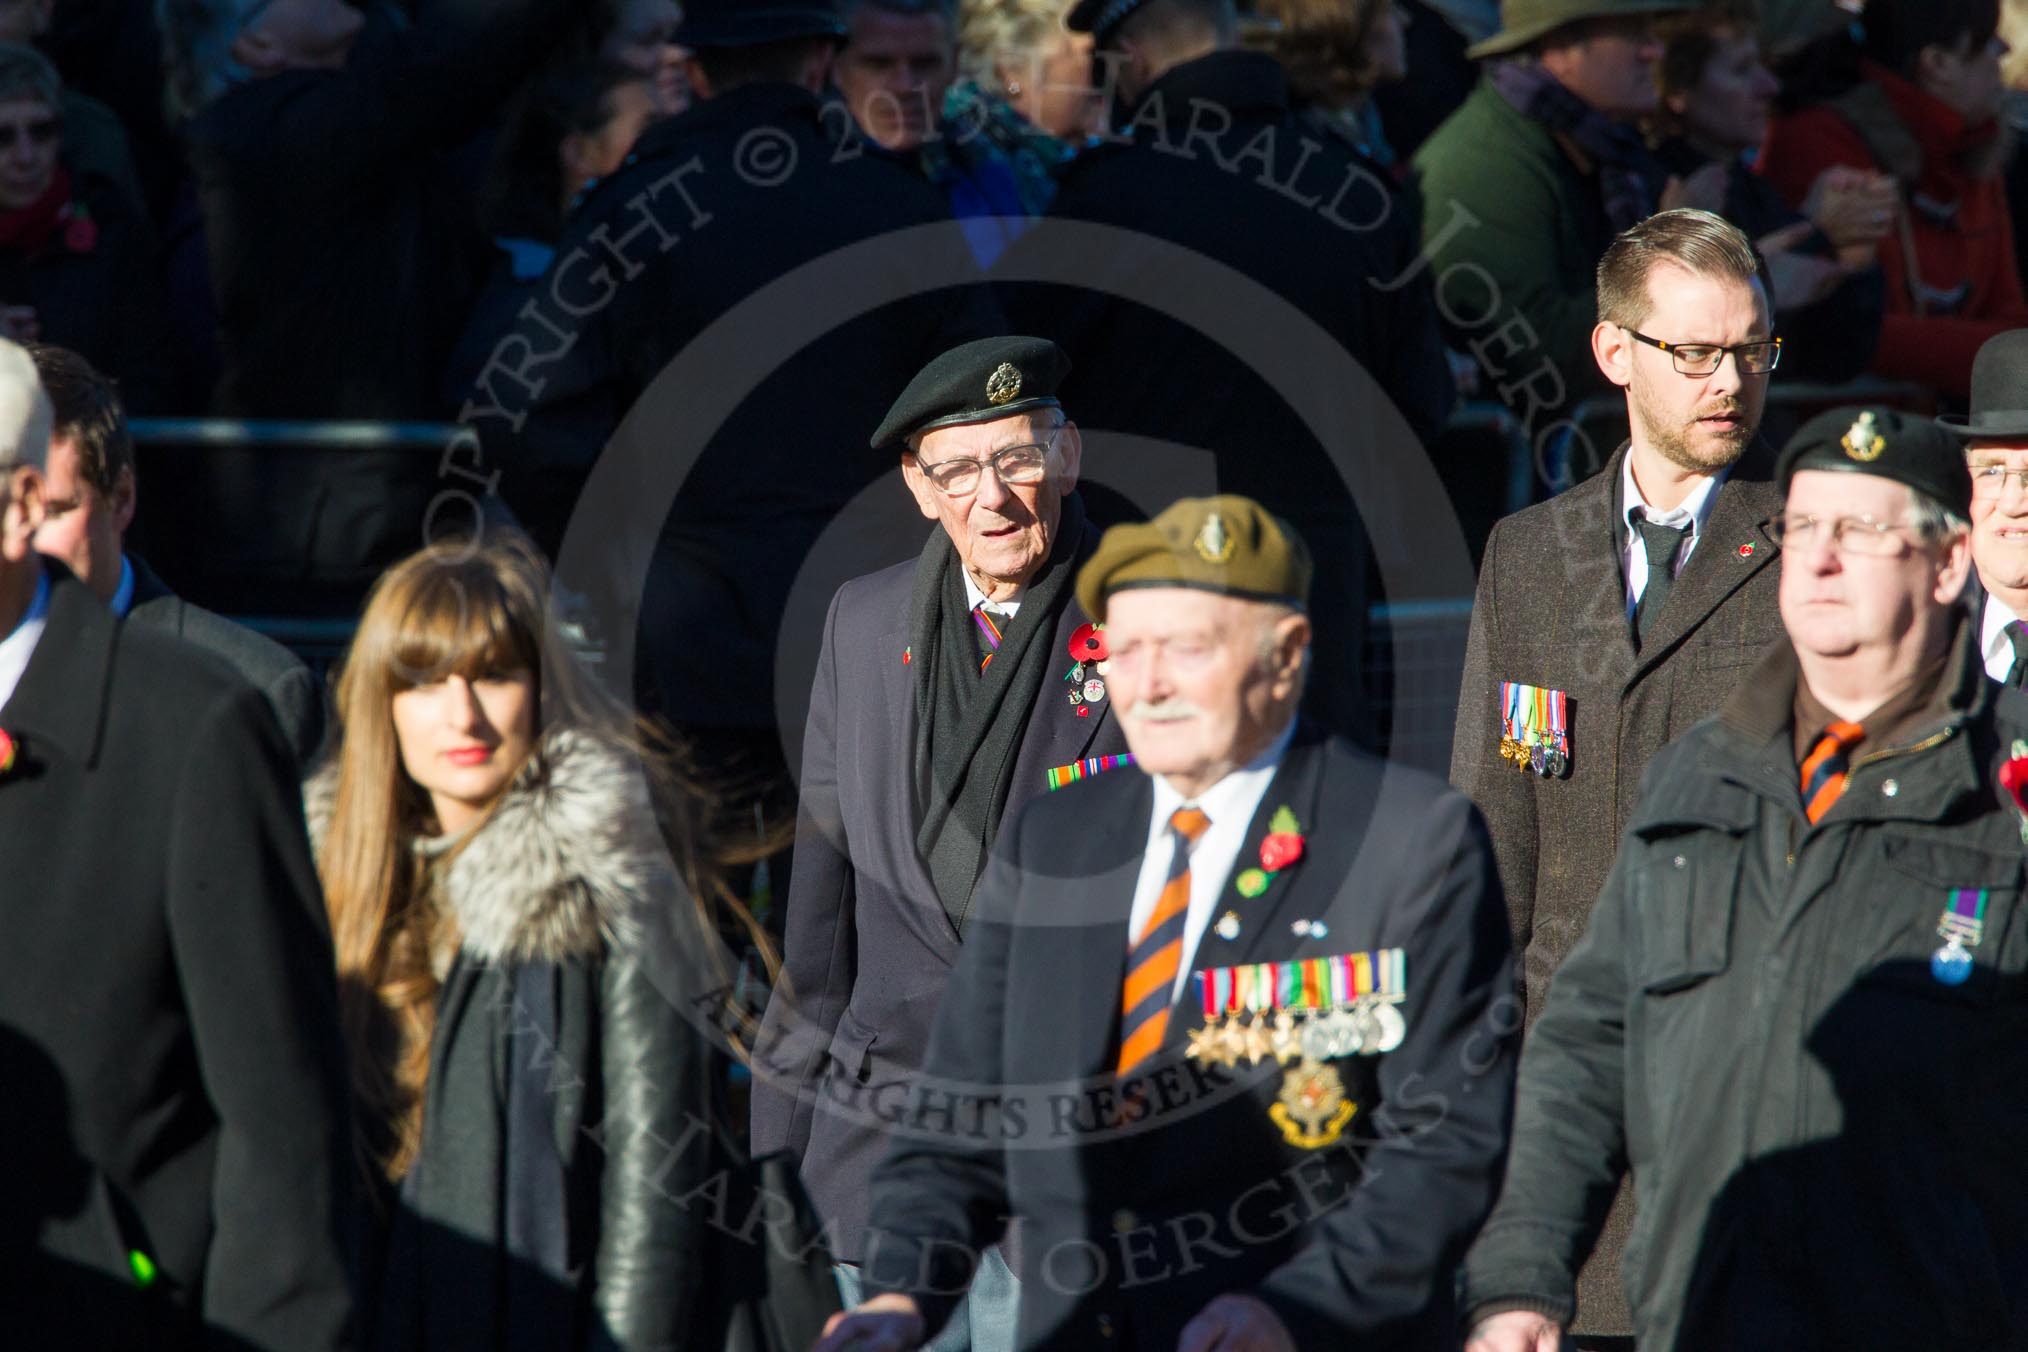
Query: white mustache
[1164, 709]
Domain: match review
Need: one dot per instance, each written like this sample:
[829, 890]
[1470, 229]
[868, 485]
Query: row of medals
[1544, 758]
[1366, 1027]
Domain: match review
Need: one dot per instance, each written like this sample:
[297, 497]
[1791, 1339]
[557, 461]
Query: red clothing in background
[1965, 286]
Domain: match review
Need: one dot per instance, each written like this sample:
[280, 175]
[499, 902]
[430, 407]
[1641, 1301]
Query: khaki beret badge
[1004, 385]
[1864, 442]
[1214, 542]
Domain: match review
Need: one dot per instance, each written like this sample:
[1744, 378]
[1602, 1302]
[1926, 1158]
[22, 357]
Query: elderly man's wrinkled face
[1201, 683]
[997, 490]
[31, 139]
[2000, 513]
[893, 71]
[1869, 594]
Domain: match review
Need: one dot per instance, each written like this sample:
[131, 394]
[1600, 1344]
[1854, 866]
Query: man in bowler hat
[1995, 437]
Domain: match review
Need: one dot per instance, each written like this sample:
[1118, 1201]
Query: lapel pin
[1228, 925]
[1746, 550]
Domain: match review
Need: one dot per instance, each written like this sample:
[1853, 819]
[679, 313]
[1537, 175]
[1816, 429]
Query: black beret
[981, 381]
[1885, 442]
[748, 23]
[1098, 17]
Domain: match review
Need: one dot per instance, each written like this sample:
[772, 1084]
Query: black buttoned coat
[1126, 1231]
[167, 987]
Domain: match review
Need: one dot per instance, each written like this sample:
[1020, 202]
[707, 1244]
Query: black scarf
[968, 724]
[1629, 177]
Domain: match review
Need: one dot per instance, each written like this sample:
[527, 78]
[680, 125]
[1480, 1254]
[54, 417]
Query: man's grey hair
[25, 416]
[1931, 521]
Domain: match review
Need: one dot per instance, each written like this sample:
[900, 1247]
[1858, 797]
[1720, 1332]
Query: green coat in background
[1514, 232]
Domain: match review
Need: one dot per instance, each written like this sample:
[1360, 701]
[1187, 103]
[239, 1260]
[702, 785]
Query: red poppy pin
[2014, 779]
[1088, 644]
[8, 752]
[80, 232]
[1282, 847]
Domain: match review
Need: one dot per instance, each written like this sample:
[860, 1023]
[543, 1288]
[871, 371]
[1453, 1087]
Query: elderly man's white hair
[25, 415]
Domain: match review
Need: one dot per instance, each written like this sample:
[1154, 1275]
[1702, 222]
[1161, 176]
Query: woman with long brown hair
[508, 916]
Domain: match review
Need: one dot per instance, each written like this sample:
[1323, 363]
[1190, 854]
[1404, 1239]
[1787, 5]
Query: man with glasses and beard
[1613, 618]
[949, 691]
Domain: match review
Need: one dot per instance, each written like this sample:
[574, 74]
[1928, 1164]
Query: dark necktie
[992, 622]
[1824, 768]
[1663, 544]
[2017, 634]
[1157, 952]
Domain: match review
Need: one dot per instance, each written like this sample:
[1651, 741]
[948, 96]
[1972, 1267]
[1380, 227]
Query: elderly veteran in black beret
[1236, 1016]
[1798, 1012]
[1995, 438]
[949, 690]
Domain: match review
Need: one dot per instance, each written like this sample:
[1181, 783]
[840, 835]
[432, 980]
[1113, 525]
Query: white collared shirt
[1230, 804]
[123, 595]
[19, 646]
[973, 596]
[1693, 512]
[1994, 646]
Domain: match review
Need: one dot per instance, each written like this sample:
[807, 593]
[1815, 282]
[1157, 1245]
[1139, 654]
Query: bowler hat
[1523, 21]
[1999, 389]
[748, 23]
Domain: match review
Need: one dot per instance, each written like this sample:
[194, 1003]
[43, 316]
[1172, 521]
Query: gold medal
[1312, 1109]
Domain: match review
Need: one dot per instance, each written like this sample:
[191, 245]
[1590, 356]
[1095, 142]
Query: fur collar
[563, 866]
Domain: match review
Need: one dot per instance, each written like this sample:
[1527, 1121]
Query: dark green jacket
[1824, 1138]
[1514, 233]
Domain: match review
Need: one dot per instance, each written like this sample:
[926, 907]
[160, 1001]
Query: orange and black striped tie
[1157, 953]
[1824, 768]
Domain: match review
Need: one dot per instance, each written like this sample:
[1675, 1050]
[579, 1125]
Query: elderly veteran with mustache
[949, 691]
[1238, 1016]
[1797, 1013]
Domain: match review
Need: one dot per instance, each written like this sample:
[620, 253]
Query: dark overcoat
[1551, 611]
[168, 982]
[1130, 1230]
[1752, 1024]
[753, 193]
[870, 946]
[293, 691]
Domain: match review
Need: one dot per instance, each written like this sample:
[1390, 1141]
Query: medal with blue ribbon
[1962, 926]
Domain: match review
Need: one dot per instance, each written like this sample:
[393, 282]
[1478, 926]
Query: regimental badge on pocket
[1535, 729]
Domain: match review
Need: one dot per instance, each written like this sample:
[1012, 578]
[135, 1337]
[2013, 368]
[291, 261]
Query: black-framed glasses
[1021, 465]
[1861, 535]
[1756, 358]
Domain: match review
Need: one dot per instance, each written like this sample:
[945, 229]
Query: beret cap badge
[1214, 542]
[1864, 442]
[1004, 385]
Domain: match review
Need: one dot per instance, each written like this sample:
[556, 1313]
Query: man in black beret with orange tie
[1796, 1015]
[949, 691]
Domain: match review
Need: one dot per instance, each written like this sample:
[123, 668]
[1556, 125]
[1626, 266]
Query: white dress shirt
[973, 596]
[1693, 512]
[1994, 646]
[19, 646]
[1230, 804]
[123, 595]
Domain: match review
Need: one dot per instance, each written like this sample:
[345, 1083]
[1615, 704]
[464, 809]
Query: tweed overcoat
[1551, 611]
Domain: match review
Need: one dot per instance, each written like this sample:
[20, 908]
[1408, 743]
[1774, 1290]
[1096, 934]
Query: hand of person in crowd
[1516, 1331]
[1853, 207]
[1236, 1323]
[1704, 190]
[1799, 279]
[19, 323]
[886, 1323]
